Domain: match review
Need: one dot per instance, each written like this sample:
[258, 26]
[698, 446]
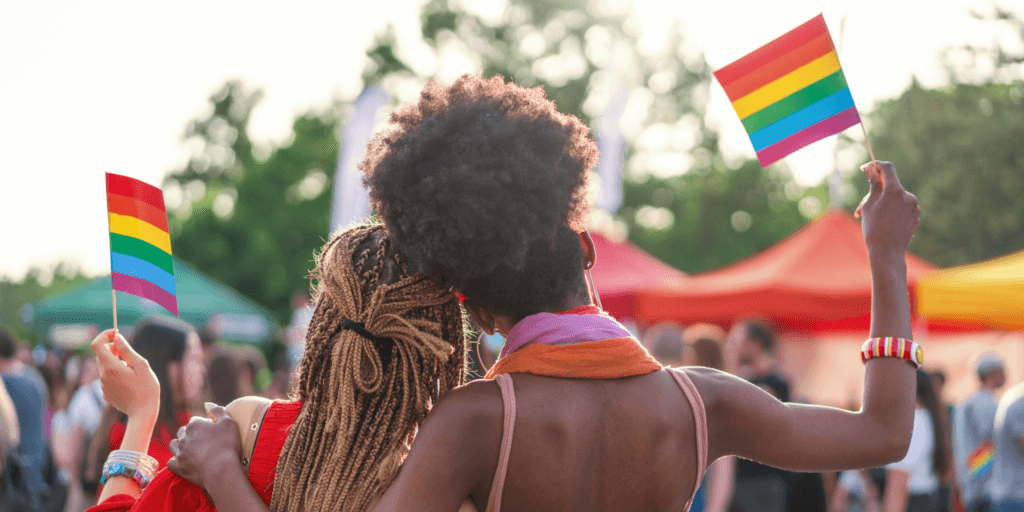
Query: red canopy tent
[622, 271]
[815, 280]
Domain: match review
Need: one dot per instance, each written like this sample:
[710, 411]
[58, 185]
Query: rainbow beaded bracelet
[135, 465]
[892, 347]
[117, 469]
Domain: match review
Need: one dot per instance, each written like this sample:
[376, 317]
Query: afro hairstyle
[482, 184]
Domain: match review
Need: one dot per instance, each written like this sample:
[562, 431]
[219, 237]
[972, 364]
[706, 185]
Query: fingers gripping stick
[881, 177]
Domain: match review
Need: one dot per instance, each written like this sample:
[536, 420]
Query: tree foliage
[959, 150]
[254, 223]
[681, 202]
[37, 284]
[715, 216]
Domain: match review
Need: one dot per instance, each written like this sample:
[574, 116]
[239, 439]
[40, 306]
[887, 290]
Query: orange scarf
[606, 359]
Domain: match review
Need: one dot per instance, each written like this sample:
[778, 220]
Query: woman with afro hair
[482, 184]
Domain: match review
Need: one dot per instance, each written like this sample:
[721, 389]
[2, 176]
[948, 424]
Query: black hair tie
[360, 329]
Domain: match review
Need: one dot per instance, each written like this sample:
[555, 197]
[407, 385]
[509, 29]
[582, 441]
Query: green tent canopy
[75, 316]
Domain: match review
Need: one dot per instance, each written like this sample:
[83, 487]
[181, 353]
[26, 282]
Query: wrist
[223, 473]
[137, 434]
[887, 259]
[145, 413]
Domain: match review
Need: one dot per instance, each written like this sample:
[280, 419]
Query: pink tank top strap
[508, 398]
[700, 420]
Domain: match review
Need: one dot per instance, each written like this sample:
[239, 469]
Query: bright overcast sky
[88, 87]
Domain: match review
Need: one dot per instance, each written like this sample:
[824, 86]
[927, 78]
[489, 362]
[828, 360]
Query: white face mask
[493, 342]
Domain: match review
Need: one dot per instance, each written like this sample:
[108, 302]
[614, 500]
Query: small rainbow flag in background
[790, 92]
[140, 245]
[981, 461]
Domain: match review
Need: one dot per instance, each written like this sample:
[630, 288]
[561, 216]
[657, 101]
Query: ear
[483, 318]
[589, 251]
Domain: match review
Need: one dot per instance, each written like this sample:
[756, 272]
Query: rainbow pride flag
[981, 461]
[790, 92]
[140, 245]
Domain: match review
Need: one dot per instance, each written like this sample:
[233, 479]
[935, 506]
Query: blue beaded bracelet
[118, 469]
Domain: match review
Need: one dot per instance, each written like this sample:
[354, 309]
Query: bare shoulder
[457, 444]
[470, 407]
[713, 385]
[242, 409]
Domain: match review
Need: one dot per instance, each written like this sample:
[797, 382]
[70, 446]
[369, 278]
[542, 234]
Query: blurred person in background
[947, 481]
[1008, 474]
[248, 373]
[912, 484]
[757, 487]
[211, 346]
[52, 371]
[665, 343]
[27, 391]
[84, 413]
[281, 384]
[173, 350]
[752, 344]
[10, 434]
[702, 346]
[295, 335]
[223, 378]
[251, 364]
[360, 398]
[61, 431]
[973, 444]
[23, 353]
[859, 490]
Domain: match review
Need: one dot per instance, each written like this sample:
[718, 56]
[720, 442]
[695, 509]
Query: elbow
[893, 449]
[886, 446]
[891, 438]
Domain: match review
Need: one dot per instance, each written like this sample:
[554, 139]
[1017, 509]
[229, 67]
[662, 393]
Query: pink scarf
[578, 325]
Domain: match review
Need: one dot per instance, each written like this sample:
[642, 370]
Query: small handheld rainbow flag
[790, 92]
[140, 245]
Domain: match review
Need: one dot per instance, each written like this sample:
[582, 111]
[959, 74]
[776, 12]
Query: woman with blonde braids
[382, 347]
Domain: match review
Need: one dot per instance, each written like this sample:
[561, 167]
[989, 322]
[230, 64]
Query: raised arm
[743, 420]
[131, 387]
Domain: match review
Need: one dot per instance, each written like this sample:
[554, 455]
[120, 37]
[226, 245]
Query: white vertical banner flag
[351, 201]
[611, 144]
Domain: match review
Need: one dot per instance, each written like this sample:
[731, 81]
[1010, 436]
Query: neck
[764, 365]
[575, 300]
[9, 365]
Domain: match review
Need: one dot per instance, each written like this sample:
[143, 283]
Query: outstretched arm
[745, 421]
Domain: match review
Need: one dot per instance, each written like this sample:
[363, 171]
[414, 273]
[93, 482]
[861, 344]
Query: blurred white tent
[351, 202]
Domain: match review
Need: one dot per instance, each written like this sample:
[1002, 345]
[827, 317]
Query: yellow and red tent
[989, 293]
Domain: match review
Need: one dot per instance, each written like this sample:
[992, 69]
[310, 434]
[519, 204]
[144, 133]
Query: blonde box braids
[363, 398]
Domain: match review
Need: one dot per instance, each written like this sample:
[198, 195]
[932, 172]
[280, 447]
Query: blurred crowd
[56, 430]
[963, 457]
